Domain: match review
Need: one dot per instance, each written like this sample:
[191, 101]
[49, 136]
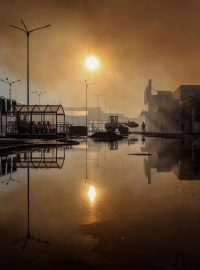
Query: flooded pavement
[134, 204]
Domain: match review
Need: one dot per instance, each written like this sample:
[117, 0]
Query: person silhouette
[143, 127]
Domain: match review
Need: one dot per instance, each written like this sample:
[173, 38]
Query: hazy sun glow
[92, 193]
[92, 62]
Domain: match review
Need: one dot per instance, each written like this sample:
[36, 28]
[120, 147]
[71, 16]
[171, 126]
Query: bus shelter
[36, 120]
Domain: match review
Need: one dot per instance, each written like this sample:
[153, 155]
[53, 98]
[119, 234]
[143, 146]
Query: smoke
[135, 40]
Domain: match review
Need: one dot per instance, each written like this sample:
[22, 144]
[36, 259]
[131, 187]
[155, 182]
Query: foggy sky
[135, 40]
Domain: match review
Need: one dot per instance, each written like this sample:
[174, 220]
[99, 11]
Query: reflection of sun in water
[93, 212]
[92, 62]
[92, 193]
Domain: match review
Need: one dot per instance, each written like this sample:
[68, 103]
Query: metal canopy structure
[58, 109]
[37, 120]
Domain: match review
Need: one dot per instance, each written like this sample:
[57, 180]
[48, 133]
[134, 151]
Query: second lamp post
[10, 86]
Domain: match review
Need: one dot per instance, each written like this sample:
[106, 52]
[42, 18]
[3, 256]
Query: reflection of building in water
[132, 139]
[180, 156]
[113, 145]
[187, 167]
[42, 158]
[31, 159]
[8, 164]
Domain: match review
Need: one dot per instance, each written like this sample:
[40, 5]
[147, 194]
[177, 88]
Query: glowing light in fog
[92, 193]
[92, 62]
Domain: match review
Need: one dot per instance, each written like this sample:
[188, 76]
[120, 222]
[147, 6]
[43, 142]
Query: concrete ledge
[164, 135]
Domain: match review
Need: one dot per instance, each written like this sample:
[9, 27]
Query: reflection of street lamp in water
[91, 190]
[10, 167]
[28, 235]
[90, 195]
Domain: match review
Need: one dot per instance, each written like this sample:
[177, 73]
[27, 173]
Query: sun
[92, 62]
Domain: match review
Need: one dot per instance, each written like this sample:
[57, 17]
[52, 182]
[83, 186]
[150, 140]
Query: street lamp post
[39, 93]
[86, 119]
[28, 32]
[10, 86]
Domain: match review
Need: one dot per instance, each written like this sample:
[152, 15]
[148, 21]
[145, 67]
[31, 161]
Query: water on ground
[131, 203]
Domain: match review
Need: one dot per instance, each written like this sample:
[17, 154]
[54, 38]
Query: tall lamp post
[28, 32]
[91, 63]
[39, 93]
[86, 119]
[10, 86]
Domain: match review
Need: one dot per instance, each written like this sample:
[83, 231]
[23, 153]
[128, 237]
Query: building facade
[172, 112]
[5, 118]
[188, 97]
